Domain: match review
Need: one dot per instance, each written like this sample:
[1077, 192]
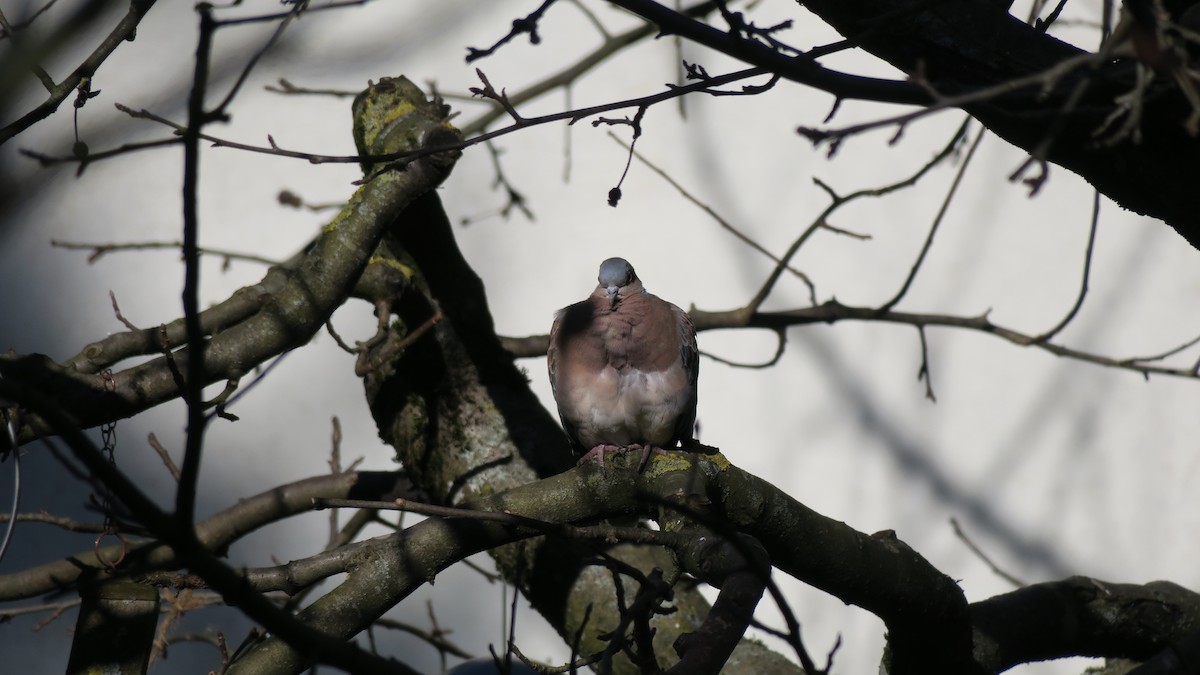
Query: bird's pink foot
[647, 451]
[598, 453]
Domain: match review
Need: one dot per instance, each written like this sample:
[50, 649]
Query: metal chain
[108, 440]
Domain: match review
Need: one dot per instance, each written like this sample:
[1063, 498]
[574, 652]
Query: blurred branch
[962, 536]
[10, 28]
[435, 638]
[100, 250]
[61, 522]
[123, 31]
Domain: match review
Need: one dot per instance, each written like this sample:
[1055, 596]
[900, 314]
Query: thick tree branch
[198, 557]
[216, 533]
[462, 418]
[929, 621]
[802, 69]
[959, 47]
[1083, 616]
[395, 118]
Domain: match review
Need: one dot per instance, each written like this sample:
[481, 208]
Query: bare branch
[1087, 269]
[923, 374]
[937, 221]
[709, 210]
[124, 31]
[100, 250]
[164, 456]
[529, 25]
[962, 536]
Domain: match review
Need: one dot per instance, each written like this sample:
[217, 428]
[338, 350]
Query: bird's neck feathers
[627, 292]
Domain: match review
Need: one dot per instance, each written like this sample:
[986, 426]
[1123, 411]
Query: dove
[623, 368]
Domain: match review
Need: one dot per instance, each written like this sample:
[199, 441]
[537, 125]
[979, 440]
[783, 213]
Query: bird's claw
[647, 452]
[598, 453]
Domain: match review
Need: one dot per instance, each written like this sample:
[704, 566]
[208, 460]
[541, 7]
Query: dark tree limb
[1084, 616]
[969, 45]
[929, 621]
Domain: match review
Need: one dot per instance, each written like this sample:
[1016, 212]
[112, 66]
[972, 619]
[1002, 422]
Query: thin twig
[923, 374]
[937, 221]
[335, 468]
[276, 35]
[781, 337]
[283, 86]
[338, 339]
[1167, 354]
[55, 608]
[529, 25]
[833, 311]
[962, 536]
[9, 27]
[124, 31]
[1087, 268]
[62, 522]
[100, 250]
[117, 311]
[1044, 79]
[683, 192]
[570, 116]
[436, 638]
[164, 455]
[837, 201]
[573, 72]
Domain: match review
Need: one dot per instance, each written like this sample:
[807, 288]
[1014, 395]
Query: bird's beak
[612, 295]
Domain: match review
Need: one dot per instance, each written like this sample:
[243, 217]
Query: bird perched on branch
[623, 367]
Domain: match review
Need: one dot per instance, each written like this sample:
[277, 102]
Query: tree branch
[962, 47]
[289, 316]
[123, 31]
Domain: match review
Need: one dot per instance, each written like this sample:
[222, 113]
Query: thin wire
[10, 428]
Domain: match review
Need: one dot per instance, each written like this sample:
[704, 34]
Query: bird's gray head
[615, 274]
